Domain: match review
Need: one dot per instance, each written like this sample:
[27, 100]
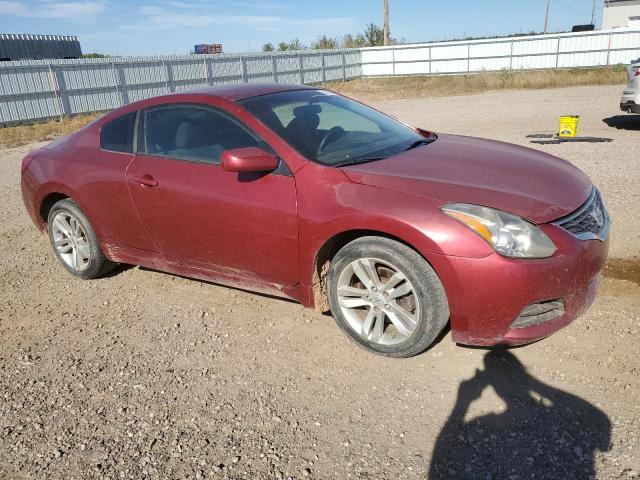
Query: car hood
[520, 180]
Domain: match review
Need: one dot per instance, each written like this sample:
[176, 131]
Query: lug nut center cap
[378, 300]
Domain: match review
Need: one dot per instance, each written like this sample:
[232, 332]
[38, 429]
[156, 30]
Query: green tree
[351, 41]
[373, 35]
[324, 43]
[95, 55]
[294, 44]
[267, 47]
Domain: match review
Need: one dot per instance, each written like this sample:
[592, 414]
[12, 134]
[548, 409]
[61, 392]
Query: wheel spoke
[378, 329]
[75, 258]
[352, 302]
[368, 322]
[63, 245]
[351, 292]
[404, 321]
[83, 250]
[395, 279]
[365, 269]
[400, 291]
[62, 225]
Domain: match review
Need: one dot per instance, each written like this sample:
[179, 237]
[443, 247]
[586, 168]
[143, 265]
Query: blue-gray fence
[40, 89]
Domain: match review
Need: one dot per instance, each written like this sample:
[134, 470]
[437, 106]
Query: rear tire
[386, 297]
[74, 242]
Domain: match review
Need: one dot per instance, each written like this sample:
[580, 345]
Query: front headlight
[508, 234]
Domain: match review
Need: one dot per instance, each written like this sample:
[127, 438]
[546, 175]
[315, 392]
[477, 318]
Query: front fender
[344, 206]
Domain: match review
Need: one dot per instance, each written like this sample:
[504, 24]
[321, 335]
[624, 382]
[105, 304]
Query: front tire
[74, 242]
[386, 297]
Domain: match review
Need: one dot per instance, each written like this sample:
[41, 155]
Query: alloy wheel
[378, 301]
[70, 241]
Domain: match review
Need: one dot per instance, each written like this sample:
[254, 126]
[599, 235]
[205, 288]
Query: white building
[621, 13]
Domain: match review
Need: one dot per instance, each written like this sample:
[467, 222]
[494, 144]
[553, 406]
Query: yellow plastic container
[569, 126]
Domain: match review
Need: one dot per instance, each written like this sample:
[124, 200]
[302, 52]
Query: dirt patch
[623, 269]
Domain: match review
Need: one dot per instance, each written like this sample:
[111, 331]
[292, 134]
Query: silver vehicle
[630, 101]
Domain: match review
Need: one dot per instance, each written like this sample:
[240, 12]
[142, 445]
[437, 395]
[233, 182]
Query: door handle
[146, 180]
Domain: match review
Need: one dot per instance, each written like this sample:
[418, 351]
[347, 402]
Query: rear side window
[192, 132]
[117, 135]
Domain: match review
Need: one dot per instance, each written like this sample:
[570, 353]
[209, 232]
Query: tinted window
[192, 132]
[330, 128]
[117, 135]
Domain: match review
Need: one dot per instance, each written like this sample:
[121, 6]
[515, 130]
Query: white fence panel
[565, 50]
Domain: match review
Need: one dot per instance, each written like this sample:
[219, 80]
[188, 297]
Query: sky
[146, 27]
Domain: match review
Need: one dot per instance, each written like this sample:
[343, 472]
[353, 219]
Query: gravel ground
[148, 375]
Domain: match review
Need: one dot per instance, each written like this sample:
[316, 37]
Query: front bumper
[630, 106]
[487, 295]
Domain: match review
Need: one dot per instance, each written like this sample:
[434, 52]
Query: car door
[199, 215]
[105, 190]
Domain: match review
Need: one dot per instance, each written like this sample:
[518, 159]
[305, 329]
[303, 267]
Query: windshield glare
[331, 129]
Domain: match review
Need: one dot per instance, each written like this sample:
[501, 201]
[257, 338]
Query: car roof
[232, 92]
[241, 91]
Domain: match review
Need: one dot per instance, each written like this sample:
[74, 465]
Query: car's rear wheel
[74, 242]
[386, 297]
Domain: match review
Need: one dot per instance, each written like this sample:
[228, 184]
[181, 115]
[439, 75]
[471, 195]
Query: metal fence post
[55, 88]
[393, 60]
[205, 71]
[300, 68]
[116, 85]
[324, 73]
[274, 68]
[609, 49]
[243, 68]
[468, 57]
[430, 61]
[344, 66]
[558, 52]
[511, 57]
[168, 76]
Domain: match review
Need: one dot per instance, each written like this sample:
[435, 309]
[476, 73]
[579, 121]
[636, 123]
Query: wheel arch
[47, 202]
[328, 250]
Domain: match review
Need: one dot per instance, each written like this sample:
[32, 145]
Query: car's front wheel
[386, 297]
[74, 241]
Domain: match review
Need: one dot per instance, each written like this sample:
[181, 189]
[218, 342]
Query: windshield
[331, 129]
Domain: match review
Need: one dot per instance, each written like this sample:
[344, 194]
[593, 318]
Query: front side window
[117, 135]
[192, 132]
[331, 129]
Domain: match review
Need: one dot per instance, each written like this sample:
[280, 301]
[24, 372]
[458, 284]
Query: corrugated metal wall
[565, 50]
[38, 47]
[33, 90]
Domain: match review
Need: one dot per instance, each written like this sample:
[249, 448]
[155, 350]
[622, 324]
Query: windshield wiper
[417, 143]
[358, 161]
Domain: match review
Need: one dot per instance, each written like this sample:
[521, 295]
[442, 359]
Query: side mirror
[425, 133]
[248, 159]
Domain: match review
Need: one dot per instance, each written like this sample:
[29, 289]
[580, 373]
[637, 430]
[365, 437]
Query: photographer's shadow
[544, 433]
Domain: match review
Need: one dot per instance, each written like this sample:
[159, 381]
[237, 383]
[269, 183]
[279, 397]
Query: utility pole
[386, 22]
[546, 17]
[593, 13]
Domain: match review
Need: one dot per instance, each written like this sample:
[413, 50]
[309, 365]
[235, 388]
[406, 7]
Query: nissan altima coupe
[303, 193]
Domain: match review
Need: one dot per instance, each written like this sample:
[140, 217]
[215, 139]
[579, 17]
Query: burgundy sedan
[303, 193]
